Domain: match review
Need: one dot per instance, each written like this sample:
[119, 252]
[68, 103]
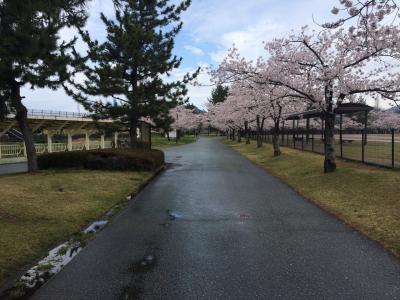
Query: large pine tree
[134, 63]
[32, 54]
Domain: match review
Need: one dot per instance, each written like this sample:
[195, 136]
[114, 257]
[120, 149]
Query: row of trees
[132, 65]
[357, 55]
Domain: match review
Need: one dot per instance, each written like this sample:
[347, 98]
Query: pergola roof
[344, 108]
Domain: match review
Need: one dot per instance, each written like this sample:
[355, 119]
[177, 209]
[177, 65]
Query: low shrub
[105, 159]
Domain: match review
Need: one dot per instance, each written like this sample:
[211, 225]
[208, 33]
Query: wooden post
[115, 139]
[49, 142]
[102, 142]
[69, 147]
[87, 140]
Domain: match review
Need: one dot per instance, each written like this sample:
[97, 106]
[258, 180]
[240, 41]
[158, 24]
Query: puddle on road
[173, 215]
[173, 166]
[143, 265]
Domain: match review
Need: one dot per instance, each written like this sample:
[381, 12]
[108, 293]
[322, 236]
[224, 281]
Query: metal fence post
[312, 141]
[363, 147]
[294, 141]
[392, 148]
[302, 140]
[341, 135]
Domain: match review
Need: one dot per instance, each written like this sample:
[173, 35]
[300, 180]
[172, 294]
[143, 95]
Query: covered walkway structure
[63, 131]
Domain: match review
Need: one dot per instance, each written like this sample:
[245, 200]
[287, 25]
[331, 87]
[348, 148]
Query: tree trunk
[330, 156]
[22, 119]
[260, 126]
[133, 133]
[246, 132]
[239, 136]
[167, 133]
[275, 140]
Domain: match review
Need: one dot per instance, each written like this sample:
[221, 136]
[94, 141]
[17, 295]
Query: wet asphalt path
[219, 227]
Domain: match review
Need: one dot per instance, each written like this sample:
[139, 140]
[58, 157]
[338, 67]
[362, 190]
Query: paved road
[219, 227]
[13, 168]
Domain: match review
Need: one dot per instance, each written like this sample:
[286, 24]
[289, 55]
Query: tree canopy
[134, 64]
[32, 53]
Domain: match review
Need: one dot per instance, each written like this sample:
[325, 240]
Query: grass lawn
[375, 152]
[365, 197]
[39, 211]
[159, 141]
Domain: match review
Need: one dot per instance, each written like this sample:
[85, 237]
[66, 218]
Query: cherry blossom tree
[363, 12]
[184, 119]
[332, 67]
[327, 69]
[385, 120]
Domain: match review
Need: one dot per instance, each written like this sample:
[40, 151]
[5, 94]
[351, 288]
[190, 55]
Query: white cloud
[248, 41]
[210, 27]
[199, 92]
[248, 23]
[194, 50]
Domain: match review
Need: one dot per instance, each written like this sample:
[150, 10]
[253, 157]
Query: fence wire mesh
[371, 147]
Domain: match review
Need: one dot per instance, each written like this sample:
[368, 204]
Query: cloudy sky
[210, 28]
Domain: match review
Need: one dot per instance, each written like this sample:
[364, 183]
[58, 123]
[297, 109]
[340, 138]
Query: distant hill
[394, 109]
[197, 110]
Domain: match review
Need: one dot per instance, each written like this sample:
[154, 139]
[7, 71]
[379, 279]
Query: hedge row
[106, 159]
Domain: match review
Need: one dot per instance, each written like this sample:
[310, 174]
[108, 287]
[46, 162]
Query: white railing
[59, 147]
[51, 113]
[18, 149]
[11, 150]
[78, 146]
[108, 144]
[41, 148]
[94, 145]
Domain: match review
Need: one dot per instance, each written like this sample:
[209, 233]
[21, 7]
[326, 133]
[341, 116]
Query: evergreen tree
[218, 94]
[164, 121]
[31, 53]
[133, 63]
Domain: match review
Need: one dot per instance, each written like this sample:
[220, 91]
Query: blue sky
[210, 28]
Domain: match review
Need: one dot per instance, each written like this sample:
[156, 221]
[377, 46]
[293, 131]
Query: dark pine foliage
[32, 54]
[218, 94]
[134, 63]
